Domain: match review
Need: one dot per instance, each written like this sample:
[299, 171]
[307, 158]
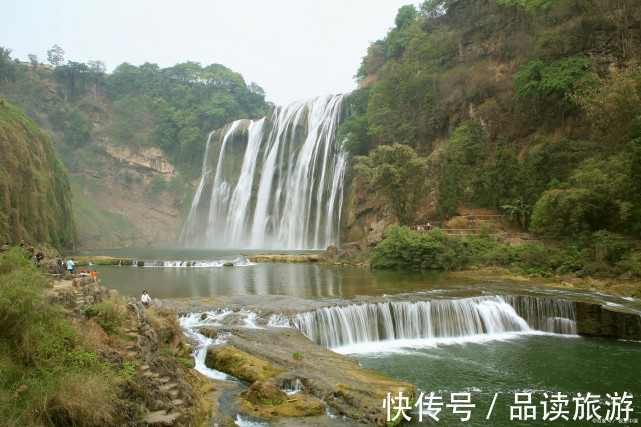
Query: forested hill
[529, 105]
[132, 140]
[35, 195]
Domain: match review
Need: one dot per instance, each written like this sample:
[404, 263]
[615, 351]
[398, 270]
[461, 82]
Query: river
[490, 369]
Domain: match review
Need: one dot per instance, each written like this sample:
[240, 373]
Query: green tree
[603, 196]
[614, 104]
[55, 55]
[460, 163]
[517, 210]
[560, 79]
[399, 174]
[34, 60]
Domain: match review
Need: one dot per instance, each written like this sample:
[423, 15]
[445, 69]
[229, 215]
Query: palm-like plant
[517, 210]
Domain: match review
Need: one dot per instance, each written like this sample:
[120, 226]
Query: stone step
[174, 393]
[178, 402]
[161, 418]
[163, 380]
[167, 387]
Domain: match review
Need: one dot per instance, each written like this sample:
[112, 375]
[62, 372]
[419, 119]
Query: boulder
[264, 393]
[241, 365]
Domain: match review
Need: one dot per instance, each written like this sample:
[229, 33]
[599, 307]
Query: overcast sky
[294, 49]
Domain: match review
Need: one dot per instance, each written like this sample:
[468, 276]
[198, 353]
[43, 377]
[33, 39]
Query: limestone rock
[265, 393]
[242, 365]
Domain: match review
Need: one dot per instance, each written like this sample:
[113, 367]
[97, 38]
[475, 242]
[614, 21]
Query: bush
[533, 258]
[110, 314]
[403, 248]
[166, 325]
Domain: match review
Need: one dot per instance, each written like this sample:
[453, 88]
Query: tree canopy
[399, 175]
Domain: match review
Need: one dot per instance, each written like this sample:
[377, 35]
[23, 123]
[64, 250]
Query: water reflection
[322, 281]
[305, 281]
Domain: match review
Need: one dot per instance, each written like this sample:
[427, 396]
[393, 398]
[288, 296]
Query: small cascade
[334, 327]
[276, 182]
[239, 261]
[546, 314]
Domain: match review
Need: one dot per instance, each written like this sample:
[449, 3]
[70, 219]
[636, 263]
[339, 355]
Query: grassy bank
[46, 366]
[73, 354]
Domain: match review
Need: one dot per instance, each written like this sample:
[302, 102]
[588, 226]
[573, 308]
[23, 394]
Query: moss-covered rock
[35, 195]
[265, 400]
[241, 365]
[264, 393]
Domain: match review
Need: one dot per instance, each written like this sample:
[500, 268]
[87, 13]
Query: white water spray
[278, 181]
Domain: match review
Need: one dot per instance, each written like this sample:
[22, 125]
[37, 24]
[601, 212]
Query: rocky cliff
[35, 195]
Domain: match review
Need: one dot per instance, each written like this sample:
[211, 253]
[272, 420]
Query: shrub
[406, 249]
[110, 314]
[165, 323]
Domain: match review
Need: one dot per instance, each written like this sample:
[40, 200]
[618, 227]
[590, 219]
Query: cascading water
[334, 327]
[273, 183]
[546, 314]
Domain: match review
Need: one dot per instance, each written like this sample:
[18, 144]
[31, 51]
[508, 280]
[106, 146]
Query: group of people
[145, 298]
[70, 264]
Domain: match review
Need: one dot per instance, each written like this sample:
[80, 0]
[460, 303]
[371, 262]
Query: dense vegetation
[529, 108]
[601, 254]
[171, 108]
[35, 194]
[48, 373]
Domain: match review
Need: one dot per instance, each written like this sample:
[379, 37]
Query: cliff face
[495, 95]
[35, 194]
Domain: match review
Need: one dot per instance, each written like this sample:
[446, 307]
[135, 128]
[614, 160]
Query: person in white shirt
[145, 298]
[70, 265]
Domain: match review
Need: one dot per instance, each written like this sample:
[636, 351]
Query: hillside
[522, 107]
[133, 140]
[35, 194]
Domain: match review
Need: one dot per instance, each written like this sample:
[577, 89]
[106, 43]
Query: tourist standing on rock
[94, 273]
[40, 255]
[70, 264]
[145, 298]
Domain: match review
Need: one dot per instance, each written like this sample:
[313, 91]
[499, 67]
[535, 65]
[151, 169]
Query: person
[40, 255]
[70, 264]
[145, 298]
[94, 273]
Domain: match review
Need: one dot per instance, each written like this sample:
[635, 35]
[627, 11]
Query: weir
[334, 327]
[272, 183]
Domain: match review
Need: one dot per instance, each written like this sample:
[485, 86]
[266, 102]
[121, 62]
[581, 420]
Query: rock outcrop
[327, 379]
[160, 389]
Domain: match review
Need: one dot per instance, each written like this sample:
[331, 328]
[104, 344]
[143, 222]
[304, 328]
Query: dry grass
[92, 334]
[457, 222]
[81, 400]
[165, 323]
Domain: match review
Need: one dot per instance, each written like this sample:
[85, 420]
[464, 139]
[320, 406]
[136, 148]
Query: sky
[293, 49]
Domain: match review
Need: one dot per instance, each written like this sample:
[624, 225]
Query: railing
[494, 233]
[483, 217]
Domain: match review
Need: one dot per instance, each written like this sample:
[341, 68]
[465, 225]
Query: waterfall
[272, 183]
[546, 314]
[334, 327]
